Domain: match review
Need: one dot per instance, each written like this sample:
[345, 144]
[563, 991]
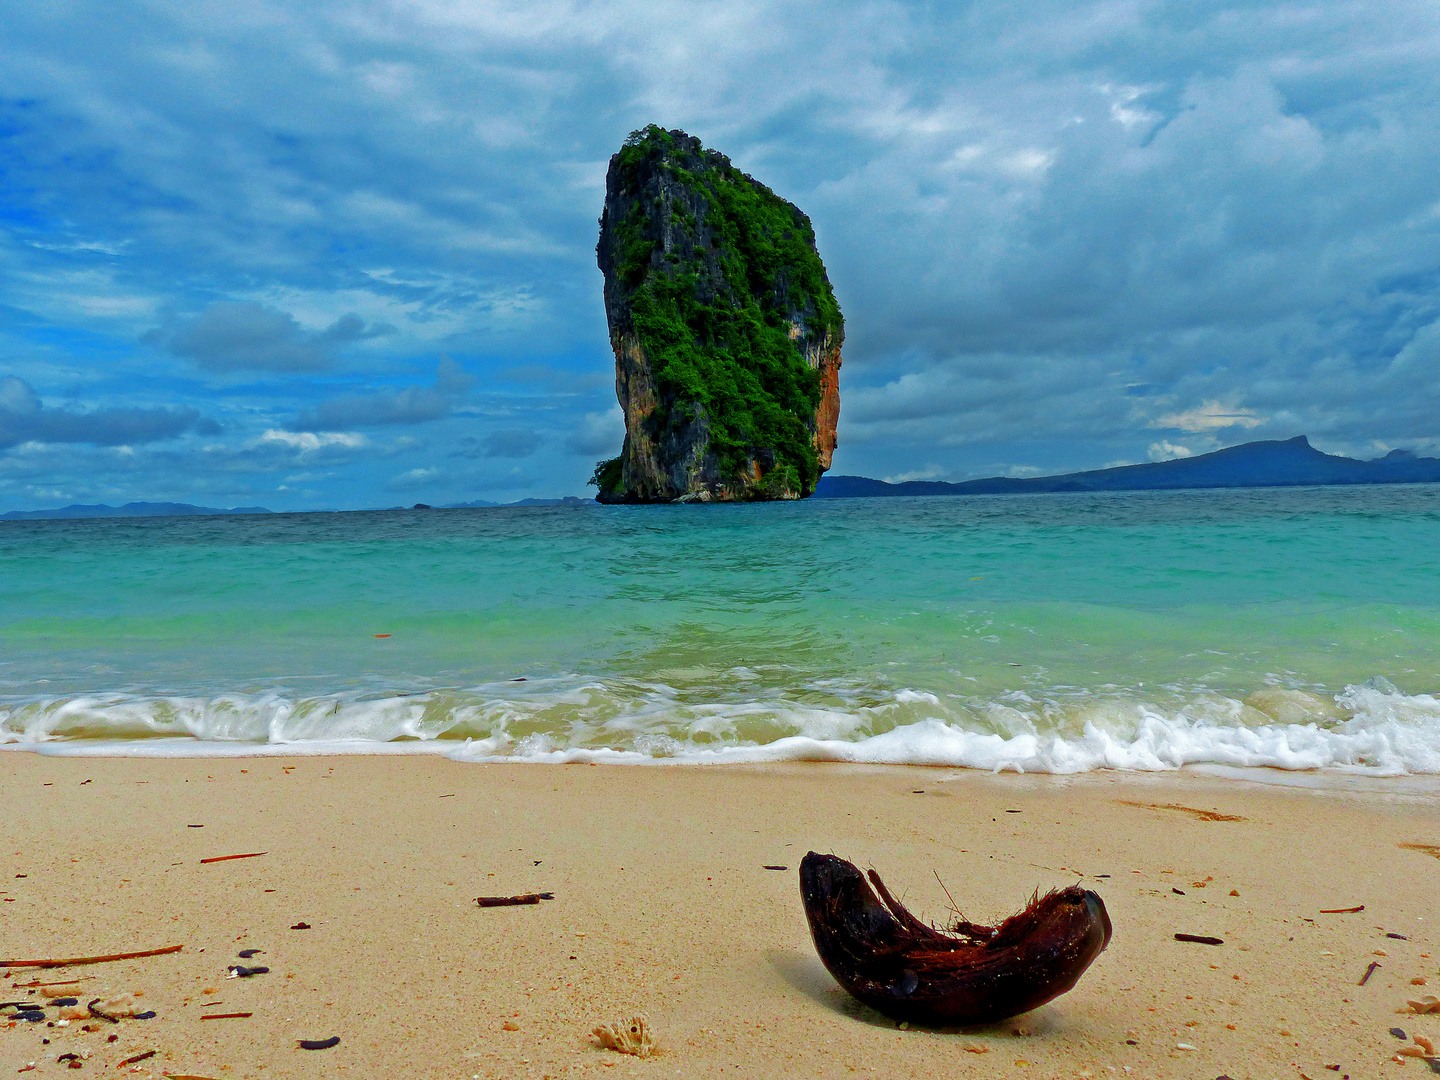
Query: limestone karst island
[725, 329]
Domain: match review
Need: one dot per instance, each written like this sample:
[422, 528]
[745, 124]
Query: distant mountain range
[134, 509]
[1289, 463]
[149, 509]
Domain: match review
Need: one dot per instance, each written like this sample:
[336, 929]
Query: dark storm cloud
[1063, 233]
[252, 337]
[23, 418]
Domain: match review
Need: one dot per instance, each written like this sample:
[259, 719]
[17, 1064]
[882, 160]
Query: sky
[340, 254]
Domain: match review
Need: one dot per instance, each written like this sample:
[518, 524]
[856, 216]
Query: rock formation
[725, 329]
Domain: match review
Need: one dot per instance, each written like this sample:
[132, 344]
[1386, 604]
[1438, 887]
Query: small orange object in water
[382, 635]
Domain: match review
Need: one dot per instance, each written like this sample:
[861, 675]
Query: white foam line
[1388, 734]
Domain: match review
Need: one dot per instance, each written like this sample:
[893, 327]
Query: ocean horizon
[1287, 629]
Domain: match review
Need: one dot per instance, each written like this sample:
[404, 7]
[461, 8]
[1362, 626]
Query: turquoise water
[1291, 627]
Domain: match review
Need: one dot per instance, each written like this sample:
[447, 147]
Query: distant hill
[568, 500]
[134, 509]
[485, 504]
[1289, 463]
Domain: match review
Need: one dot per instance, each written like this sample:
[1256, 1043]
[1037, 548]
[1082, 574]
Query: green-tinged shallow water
[1294, 627]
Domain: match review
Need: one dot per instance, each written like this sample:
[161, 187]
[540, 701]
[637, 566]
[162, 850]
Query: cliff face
[726, 332]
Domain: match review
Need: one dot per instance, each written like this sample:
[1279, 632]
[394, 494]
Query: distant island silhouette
[1275, 463]
[170, 509]
[132, 509]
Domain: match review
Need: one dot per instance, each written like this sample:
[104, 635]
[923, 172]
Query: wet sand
[662, 907]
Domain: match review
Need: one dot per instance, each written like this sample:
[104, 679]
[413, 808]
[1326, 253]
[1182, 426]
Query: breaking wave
[1371, 728]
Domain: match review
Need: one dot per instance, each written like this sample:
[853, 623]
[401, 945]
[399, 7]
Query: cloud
[451, 378]
[307, 442]
[987, 400]
[408, 405]
[1210, 416]
[512, 443]
[23, 418]
[598, 433]
[413, 479]
[1168, 451]
[246, 336]
[504, 443]
[405, 405]
[557, 380]
[930, 472]
[1052, 225]
[275, 450]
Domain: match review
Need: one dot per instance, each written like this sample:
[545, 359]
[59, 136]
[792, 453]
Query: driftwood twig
[513, 901]
[66, 962]
[1374, 967]
[1200, 939]
[227, 858]
[90, 1005]
[1342, 910]
[62, 982]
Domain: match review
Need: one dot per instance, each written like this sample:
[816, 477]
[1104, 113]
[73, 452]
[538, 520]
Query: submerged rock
[725, 329]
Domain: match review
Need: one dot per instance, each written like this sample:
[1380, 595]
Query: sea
[1282, 631]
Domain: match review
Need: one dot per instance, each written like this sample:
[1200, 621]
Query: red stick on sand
[227, 858]
[68, 961]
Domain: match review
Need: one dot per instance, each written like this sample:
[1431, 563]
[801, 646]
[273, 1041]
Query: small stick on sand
[62, 982]
[1374, 967]
[137, 1057]
[1342, 910]
[88, 959]
[1200, 939]
[227, 1016]
[513, 901]
[227, 858]
[90, 1005]
[1203, 815]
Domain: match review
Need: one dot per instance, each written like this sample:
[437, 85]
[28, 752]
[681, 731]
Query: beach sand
[662, 907]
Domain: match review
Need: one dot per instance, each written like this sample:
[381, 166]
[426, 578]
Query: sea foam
[1370, 728]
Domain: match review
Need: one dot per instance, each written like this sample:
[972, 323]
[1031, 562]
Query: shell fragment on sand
[630, 1036]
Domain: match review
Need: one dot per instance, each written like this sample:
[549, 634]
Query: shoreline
[662, 901]
[1288, 754]
[1358, 779]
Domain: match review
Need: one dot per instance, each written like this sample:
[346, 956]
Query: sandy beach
[663, 907]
